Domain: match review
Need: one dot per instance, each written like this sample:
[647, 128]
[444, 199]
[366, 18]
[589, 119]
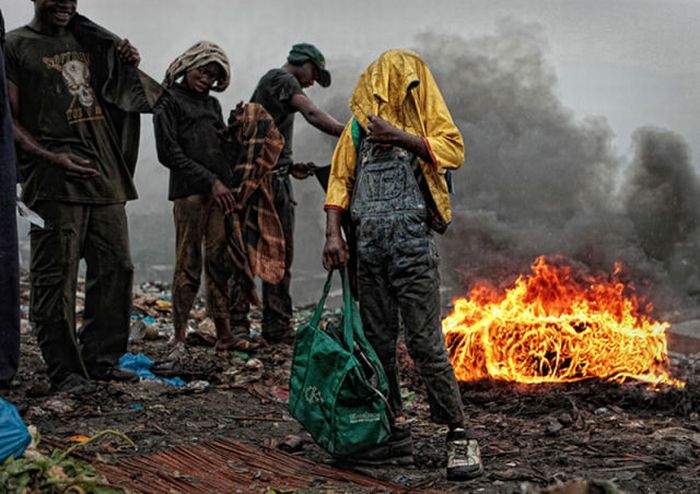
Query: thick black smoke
[538, 181]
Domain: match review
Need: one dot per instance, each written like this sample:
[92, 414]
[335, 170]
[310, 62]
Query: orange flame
[555, 325]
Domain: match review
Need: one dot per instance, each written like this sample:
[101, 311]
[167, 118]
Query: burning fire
[556, 325]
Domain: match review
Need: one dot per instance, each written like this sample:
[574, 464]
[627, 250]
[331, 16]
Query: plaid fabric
[253, 231]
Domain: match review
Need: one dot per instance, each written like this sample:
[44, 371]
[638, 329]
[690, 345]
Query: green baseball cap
[303, 52]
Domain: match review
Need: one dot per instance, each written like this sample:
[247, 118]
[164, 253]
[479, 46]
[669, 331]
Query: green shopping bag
[338, 387]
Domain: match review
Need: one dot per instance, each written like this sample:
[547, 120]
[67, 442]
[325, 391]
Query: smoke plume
[539, 181]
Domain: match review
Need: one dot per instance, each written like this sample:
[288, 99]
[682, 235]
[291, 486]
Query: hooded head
[394, 87]
[198, 56]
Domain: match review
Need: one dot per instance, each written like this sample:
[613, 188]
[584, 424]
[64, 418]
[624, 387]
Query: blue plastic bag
[14, 436]
[141, 365]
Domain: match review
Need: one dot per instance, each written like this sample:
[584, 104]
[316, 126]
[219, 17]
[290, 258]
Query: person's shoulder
[275, 77]
[18, 35]
[167, 102]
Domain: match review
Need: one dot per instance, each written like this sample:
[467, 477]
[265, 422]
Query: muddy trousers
[199, 225]
[398, 277]
[277, 299]
[99, 235]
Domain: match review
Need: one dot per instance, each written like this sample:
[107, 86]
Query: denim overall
[398, 275]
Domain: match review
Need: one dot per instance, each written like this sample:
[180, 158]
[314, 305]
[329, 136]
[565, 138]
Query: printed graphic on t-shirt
[75, 69]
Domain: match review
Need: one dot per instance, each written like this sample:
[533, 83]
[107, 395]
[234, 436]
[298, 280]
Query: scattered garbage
[141, 365]
[56, 472]
[292, 443]
[59, 407]
[574, 487]
[197, 386]
[678, 434]
[14, 436]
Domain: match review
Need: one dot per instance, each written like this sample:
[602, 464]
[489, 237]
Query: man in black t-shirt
[76, 175]
[281, 93]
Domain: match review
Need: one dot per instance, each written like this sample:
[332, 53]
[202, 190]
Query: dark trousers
[277, 299]
[199, 222]
[9, 257]
[398, 276]
[98, 234]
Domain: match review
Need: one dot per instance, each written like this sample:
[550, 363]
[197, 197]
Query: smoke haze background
[580, 121]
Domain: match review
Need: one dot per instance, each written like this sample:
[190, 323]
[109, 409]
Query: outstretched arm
[315, 116]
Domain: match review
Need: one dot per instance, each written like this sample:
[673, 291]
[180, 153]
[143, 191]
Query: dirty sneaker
[463, 456]
[74, 384]
[115, 374]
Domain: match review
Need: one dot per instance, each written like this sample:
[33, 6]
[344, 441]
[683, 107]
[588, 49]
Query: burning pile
[557, 325]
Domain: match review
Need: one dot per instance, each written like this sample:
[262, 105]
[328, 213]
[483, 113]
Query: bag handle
[322, 302]
[348, 311]
[348, 307]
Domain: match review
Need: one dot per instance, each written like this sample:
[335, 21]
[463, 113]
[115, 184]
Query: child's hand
[238, 111]
[223, 196]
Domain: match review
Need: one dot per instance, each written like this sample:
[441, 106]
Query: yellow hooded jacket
[399, 88]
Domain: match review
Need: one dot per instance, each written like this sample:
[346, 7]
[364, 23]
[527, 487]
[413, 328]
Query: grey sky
[633, 61]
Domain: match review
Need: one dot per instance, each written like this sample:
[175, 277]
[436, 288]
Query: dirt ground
[643, 440]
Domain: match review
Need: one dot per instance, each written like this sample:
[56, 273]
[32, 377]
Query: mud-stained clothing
[61, 107]
[274, 92]
[277, 301]
[199, 221]
[400, 88]
[398, 275]
[98, 234]
[186, 125]
[74, 93]
[9, 257]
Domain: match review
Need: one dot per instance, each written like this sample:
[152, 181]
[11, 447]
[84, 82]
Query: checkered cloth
[253, 231]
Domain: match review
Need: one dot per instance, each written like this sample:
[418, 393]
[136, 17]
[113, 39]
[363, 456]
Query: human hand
[381, 131]
[223, 196]
[302, 170]
[74, 166]
[128, 52]
[238, 111]
[335, 252]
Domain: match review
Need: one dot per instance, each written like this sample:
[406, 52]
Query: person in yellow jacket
[388, 170]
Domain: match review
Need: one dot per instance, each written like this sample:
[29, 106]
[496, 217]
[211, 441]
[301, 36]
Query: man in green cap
[281, 92]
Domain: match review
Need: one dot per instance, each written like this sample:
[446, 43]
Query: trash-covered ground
[639, 439]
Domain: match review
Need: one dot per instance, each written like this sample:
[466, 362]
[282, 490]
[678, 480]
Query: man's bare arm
[73, 165]
[381, 131]
[315, 116]
[335, 251]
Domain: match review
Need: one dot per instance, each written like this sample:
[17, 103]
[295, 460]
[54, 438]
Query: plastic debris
[141, 365]
[14, 436]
